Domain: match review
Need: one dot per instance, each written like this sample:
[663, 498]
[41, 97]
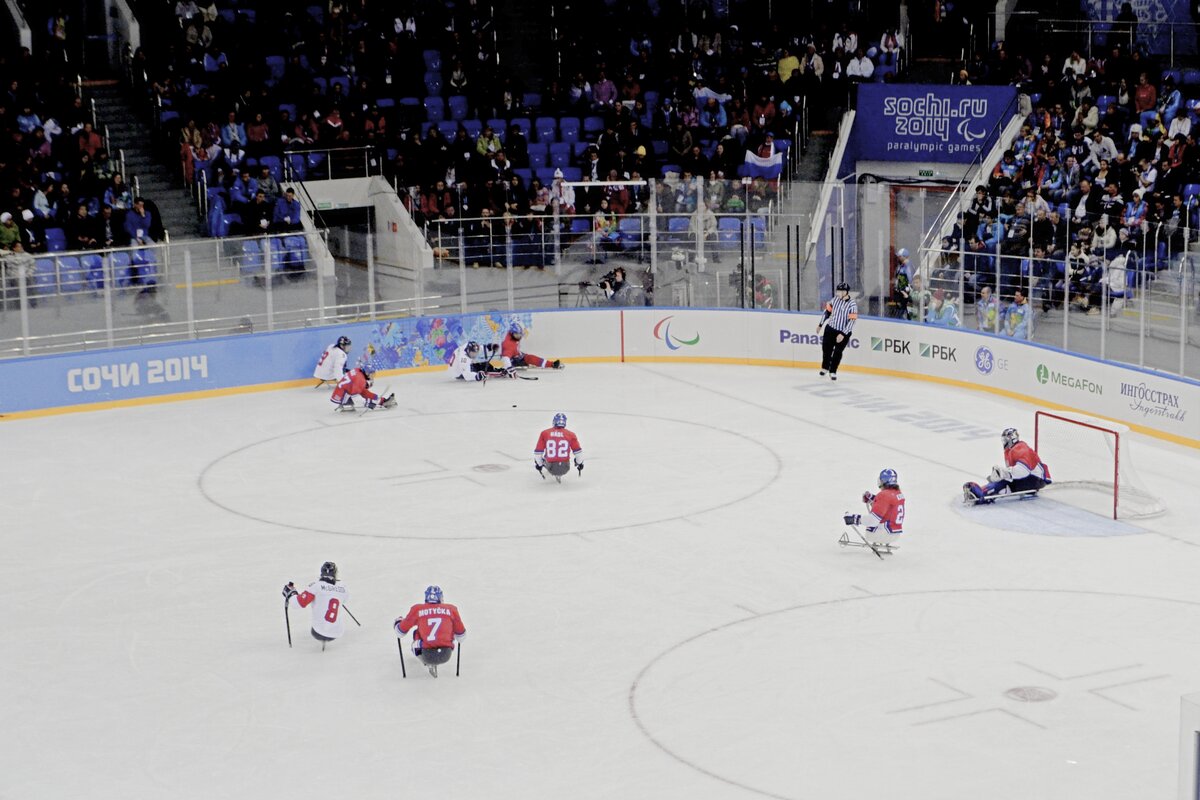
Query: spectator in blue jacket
[287, 212]
[137, 223]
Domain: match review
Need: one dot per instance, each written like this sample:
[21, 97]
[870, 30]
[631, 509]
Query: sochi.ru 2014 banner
[911, 122]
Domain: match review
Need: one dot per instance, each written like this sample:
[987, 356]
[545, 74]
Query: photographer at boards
[617, 290]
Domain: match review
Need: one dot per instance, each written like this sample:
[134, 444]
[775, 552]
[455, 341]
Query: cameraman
[618, 292]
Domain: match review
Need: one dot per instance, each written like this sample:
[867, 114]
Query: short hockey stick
[356, 622]
[400, 647]
[868, 544]
[287, 620]
[458, 660]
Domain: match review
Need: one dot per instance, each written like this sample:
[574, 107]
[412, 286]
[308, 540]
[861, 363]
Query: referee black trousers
[832, 349]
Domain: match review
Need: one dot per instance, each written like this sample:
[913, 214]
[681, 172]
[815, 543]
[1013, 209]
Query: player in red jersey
[358, 382]
[437, 627]
[886, 509]
[554, 449]
[1024, 471]
[511, 355]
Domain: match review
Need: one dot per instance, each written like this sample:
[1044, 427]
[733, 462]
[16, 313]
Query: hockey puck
[514, 406]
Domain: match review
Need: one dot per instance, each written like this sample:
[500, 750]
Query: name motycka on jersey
[425, 612]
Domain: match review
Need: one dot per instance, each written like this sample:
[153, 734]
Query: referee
[840, 313]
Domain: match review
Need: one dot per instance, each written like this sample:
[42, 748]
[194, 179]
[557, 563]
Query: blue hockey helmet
[433, 594]
[1010, 437]
[368, 369]
[887, 477]
[560, 420]
[329, 572]
[517, 330]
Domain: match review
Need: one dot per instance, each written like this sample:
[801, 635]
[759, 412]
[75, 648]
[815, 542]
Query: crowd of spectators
[640, 97]
[1099, 188]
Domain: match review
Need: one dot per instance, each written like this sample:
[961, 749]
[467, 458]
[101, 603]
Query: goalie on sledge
[1023, 475]
[885, 516]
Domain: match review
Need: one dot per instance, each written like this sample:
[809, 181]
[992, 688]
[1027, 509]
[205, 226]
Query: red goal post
[1038, 416]
[1068, 443]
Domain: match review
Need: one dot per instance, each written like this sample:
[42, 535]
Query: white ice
[679, 622]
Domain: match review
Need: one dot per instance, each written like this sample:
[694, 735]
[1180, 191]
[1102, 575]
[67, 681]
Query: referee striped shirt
[840, 314]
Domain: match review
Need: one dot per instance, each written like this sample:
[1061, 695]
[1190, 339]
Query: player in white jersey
[332, 362]
[468, 363]
[327, 599]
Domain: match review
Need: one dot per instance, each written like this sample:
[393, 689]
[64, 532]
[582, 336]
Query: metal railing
[330, 163]
[1171, 40]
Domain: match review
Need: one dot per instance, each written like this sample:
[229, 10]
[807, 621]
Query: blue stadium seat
[532, 101]
[581, 149]
[252, 261]
[592, 127]
[729, 223]
[298, 165]
[321, 84]
[435, 109]
[386, 102]
[290, 108]
[343, 81]
[93, 270]
[572, 173]
[45, 277]
[295, 253]
[70, 275]
[630, 229]
[524, 126]
[458, 106]
[276, 66]
[525, 174]
[120, 267]
[569, 128]
[433, 83]
[580, 224]
[433, 60]
[1190, 190]
[448, 127]
[677, 229]
[546, 175]
[546, 128]
[56, 240]
[474, 127]
[274, 164]
[560, 155]
[145, 266]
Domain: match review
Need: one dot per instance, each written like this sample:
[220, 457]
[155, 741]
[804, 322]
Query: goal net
[1090, 457]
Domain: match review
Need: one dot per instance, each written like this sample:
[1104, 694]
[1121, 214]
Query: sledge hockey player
[332, 363]
[468, 363]
[886, 509]
[358, 382]
[511, 355]
[437, 627]
[1024, 473]
[327, 599]
[555, 447]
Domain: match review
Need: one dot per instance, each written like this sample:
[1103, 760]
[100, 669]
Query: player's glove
[851, 519]
[510, 372]
[868, 498]
[579, 466]
[491, 348]
[538, 467]
[1000, 474]
[399, 633]
[289, 591]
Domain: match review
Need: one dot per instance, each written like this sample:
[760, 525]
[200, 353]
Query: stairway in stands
[128, 130]
[525, 32]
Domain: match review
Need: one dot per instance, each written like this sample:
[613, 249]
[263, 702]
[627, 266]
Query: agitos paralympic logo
[662, 331]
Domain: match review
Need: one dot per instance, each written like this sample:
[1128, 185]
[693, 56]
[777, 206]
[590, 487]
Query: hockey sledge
[1028, 494]
[878, 549]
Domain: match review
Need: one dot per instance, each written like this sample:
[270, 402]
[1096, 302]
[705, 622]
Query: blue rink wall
[1160, 405]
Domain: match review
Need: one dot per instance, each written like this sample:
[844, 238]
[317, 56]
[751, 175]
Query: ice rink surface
[679, 622]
